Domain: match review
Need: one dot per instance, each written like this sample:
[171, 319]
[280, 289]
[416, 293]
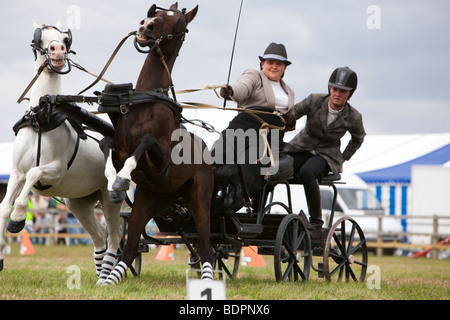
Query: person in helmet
[317, 148]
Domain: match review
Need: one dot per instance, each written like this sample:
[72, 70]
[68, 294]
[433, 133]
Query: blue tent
[401, 173]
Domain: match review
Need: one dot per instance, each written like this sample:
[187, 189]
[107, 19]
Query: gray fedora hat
[275, 51]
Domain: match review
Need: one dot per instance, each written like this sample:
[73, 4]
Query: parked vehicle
[354, 199]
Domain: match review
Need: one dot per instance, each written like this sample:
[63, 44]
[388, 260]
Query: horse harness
[36, 42]
[36, 47]
[119, 98]
[46, 120]
[179, 32]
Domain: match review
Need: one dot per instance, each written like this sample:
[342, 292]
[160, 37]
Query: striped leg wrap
[99, 253]
[109, 260]
[207, 271]
[117, 274]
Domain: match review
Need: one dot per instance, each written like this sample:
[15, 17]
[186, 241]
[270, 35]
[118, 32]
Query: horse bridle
[179, 31]
[36, 45]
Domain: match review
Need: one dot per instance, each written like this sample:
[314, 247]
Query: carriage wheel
[227, 259]
[292, 254]
[345, 252]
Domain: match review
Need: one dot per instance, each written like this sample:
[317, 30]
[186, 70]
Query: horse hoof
[108, 283]
[121, 184]
[117, 196]
[15, 226]
[1, 264]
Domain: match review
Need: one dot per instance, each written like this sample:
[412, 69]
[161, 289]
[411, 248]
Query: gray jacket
[326, 140]
[253, 89]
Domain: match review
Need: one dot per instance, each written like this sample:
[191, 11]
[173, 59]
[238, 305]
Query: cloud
[402, 67]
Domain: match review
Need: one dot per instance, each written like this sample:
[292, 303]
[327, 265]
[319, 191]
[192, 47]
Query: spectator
[71, 220]
[42, 225]
[39, 209]
[29, 220]
[61, 228]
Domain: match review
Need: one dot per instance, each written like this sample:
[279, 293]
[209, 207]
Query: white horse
[58, 162]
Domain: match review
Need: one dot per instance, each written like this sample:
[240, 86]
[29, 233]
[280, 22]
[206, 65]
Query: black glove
[226, 92]
[290, 121]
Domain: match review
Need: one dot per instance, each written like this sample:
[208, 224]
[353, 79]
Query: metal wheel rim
[347, 265]
[292, 235]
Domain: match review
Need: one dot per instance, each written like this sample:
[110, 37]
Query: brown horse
[143, 142]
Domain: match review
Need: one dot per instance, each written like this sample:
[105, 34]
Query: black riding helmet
[344, 78]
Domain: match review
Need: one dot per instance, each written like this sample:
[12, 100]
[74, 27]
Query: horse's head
[161, 24]
[52, 45]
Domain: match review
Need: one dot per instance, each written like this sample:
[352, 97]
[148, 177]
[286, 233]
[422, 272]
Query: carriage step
[249, 228]
[320, 270]
[266, 250]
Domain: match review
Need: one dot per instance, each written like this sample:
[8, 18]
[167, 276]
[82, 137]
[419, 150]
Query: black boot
[312, 193]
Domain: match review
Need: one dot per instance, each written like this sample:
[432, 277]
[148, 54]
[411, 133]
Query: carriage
[178, 197]
[341, 252]
[272, 227]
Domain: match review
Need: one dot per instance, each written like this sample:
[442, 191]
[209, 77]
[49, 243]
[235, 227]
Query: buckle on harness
[123, 109]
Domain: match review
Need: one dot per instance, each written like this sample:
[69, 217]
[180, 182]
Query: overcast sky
[400, 50]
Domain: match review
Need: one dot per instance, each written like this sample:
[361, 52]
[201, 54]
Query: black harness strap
[109, 61]
[124, 111]
[111, 100]
[39, 186]
[42, 122]
[119, 98]
[77, 145]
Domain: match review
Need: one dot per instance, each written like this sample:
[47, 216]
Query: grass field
[45, 275]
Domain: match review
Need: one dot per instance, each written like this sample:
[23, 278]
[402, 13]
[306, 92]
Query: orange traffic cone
[252, 257]
[26, 247]
[165, 253]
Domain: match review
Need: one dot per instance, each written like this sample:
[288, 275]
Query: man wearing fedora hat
[316, 149]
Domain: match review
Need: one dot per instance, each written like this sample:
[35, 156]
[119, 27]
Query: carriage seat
[330, 178]
[286, 173]
[326, 179]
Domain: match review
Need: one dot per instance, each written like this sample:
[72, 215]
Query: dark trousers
[309, 168]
